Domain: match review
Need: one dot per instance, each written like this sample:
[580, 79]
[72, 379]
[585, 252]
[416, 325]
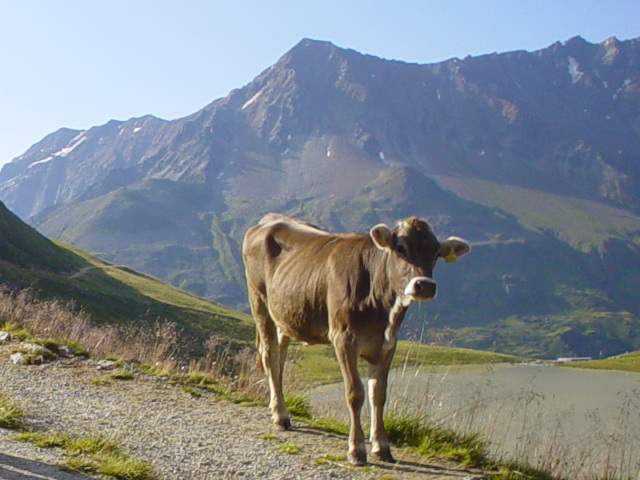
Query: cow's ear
[452, 248]
[382, 236]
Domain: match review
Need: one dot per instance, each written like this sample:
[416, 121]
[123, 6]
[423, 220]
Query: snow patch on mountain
[63, 152]
[574, 70]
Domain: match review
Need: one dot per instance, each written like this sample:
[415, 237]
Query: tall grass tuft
[411, 430]
[298, 406]
[10, 413]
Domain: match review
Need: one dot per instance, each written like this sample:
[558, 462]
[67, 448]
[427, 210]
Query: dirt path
[84, 270]
[181, 436]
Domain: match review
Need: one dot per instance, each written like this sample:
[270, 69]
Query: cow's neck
[387, 297]
[381, 293]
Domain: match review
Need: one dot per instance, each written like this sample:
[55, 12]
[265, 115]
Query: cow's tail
[259, 365]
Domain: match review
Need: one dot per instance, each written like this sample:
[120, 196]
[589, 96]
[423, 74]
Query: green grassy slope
[629, 362]
[160, 227]
[24, 248]
[584, 224]
[136, 295]
[109, 293]
[317, 364]
[567, 288]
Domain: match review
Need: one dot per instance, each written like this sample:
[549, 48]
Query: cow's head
[413, 252]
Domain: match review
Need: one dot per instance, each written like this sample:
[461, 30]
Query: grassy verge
[418, 434]
[629, 362]
[91, 454]
[240, 389]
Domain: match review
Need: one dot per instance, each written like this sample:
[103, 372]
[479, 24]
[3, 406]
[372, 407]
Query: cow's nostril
[425, 287]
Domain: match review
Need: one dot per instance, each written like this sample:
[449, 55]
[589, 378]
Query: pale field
[582, 424]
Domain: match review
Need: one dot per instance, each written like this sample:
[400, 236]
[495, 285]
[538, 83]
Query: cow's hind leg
[377, 397]
[269, 350]
[346, 351]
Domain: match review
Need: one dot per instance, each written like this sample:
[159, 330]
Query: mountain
[111, 294]
[532, 156]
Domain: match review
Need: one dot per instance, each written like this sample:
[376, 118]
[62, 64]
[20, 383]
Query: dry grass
[527, 434]
[541, 443]
[159, 347]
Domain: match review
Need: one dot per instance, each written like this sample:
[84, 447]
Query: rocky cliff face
[531, 155]
[566, 116]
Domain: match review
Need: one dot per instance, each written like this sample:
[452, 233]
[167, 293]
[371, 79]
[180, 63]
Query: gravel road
[183, 437]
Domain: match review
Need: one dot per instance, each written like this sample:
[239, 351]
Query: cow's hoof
[357, 459]
[384, 456]
[283, 424]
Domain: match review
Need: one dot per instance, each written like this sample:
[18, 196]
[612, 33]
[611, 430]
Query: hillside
[111, 294]
[531, 156]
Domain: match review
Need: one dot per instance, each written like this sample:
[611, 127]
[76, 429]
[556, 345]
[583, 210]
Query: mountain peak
[577, 40]
[611, 41]
[312, 43]
[307, 51]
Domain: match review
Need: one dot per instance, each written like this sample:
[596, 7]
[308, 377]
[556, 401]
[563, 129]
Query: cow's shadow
[409, 464]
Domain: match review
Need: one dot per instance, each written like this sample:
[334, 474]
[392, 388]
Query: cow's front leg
[378, 375]
[283, 346]
[346, 351]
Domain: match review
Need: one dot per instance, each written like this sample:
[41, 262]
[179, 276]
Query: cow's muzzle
[420, 288]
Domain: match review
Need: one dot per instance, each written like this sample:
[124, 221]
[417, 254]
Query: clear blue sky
[80, 63]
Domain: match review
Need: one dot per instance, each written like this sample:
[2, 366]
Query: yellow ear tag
[451, 257]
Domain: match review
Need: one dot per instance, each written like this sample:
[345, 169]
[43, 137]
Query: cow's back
[274, 241]
[291, 265]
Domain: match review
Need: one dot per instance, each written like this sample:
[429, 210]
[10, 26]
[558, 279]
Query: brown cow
[351, 290]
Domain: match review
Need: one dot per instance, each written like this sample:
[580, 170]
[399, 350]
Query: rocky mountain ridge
[422, 115]
[532, 156]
